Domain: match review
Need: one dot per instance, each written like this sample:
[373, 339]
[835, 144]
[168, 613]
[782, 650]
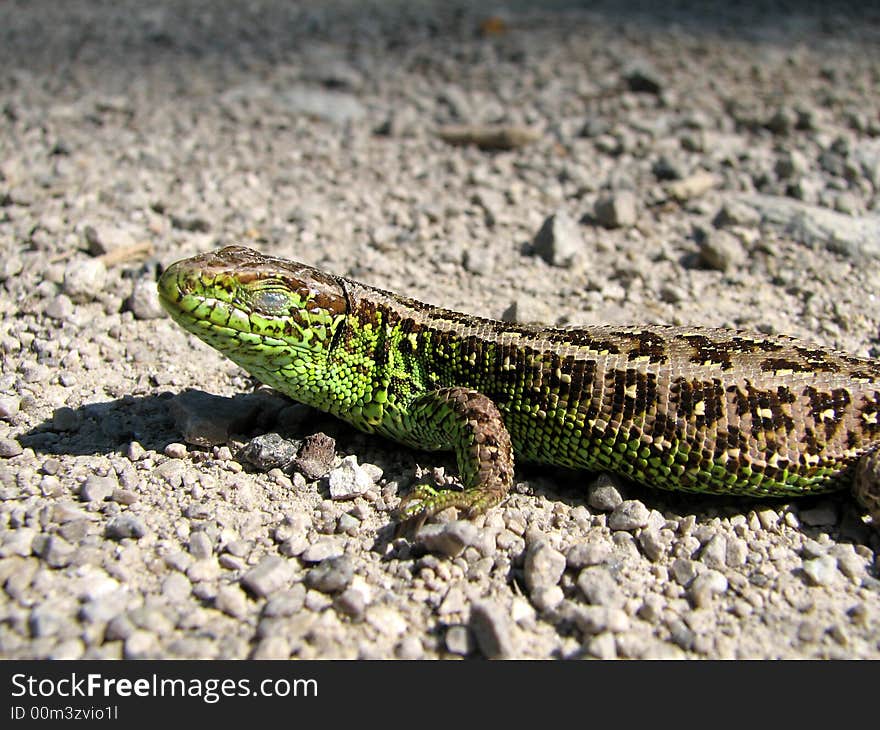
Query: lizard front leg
[468, 423]
[866, 484]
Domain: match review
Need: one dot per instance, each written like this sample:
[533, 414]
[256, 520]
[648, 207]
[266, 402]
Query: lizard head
[264, 313]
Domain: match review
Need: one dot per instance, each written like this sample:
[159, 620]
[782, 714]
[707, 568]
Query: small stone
[722, 251]
[603, 495]
[348, 480]
[286, 602]
[447, 538]
[596, 619]
[141, 644]
[125, 526]
[684, 571]
[821, 571]
[584, 554]
[331, 576]
[269, 451]
[97, 489]
[125, 497]
[642, 78]
[316, 455]
[209, 420]
[492, 630]
[617, 210]
[9, 448]
[103, 239]
[559, 241]
[652, 544]
[9, 406]
[272, 574]
[543, 566]
[175, 450]
[200, 545]
[322, 550]
[783, 121]
[629, 515]
[600, 588]
[144, 300]
[351, 602]
[693, 186]
[272, 647]
[705, 586]
[84, 279]
[602, 646]
[736, 213]
[176, 587]
[60, 308]
[232, 601]
[459, 640]
[714, 554]
[56, 551]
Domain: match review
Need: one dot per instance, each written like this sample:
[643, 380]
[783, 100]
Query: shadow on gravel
[108, 427]
[103, 428]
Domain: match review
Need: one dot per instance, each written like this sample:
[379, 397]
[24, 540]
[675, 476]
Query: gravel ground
[709, 166]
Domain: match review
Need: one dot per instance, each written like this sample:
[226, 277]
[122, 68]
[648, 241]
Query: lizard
[694, 409]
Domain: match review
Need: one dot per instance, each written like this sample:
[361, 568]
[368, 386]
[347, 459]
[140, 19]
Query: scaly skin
[681, 408]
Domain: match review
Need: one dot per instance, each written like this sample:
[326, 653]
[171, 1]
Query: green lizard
[682, 408]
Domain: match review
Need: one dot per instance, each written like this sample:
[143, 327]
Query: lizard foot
[424, 502]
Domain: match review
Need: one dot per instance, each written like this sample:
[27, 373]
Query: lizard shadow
[110, 426]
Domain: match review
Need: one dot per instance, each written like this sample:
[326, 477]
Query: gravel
[579, 166]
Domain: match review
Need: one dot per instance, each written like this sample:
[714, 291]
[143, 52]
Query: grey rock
[491, 628]
[176, 587]
[272, 574]
[603, 495]
[722, 251]
[322, 550]
[589, 553]
[348, 480]
[103, 239]
[84, 279]
[330, 106]
[459, 640]
[9, 406]
[449, 538]
[643, 78]
[232, 601]
[706, 585]
[559, 241]
[9, 448]
[125, 526]
[286, 603]
[617, 210]
[821, 571]
[629, 515]
[200, 545]
[543, 566]
[332, 575]
[144, 300]
[652, 544]
[737, 213]
[819, 227]
[141, 644]
[56, 551]
[97, 489]
[600, 588]
[596, 619]
[60, 308]
[352, 602]
[684, 571]
[602, 646]
[269, 451]
[714, 553]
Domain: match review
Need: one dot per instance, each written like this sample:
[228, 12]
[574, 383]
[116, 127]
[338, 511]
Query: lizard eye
[271, 302]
